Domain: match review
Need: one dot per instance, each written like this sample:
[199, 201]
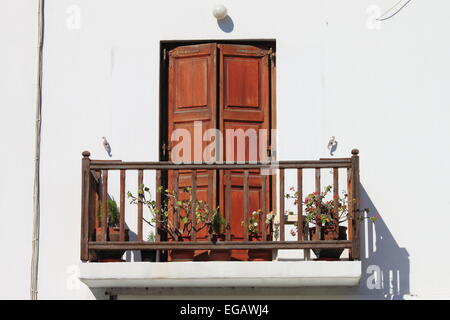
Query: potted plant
[216, 228]
[321, 212]
[171, 205]
[113, 230]
[255, 234]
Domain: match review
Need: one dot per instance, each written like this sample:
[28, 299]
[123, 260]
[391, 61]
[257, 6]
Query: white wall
[383, 91]
[18, 37]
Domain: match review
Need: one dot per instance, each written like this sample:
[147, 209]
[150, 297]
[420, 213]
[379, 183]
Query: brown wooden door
[240, 81]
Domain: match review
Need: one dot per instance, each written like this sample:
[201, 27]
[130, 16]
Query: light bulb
[219, 12]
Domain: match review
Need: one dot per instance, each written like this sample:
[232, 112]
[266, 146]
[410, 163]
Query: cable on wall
[398, 10]
[37, 153]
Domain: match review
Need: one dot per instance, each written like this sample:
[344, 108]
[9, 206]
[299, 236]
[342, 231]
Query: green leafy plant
[184, 209]
[113, 213]
[218, 224]
[320, 211]
[254, 221]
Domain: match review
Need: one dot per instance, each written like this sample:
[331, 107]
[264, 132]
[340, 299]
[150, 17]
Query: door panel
[245, 105]
[192, 102]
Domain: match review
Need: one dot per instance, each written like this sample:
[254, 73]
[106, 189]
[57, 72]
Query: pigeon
[332, 145]
[107, 146]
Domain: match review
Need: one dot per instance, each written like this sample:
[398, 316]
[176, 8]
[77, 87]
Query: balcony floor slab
[221, 274]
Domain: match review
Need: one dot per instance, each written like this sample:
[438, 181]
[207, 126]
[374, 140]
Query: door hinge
[166, 57]
[165, 150]
[271, 56]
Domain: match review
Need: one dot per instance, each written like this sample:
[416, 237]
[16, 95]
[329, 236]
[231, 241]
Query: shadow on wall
[130, 254]
[226, 24]
[385, 266]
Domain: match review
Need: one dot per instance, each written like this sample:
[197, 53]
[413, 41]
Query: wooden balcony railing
[95, 174]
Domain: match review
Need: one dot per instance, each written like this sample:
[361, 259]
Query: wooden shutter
[192, 97]
[244, 104]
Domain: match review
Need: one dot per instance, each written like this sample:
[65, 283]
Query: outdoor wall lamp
[219, 12]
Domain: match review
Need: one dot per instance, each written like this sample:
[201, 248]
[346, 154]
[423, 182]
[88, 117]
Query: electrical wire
[36, 185]
[404, 5]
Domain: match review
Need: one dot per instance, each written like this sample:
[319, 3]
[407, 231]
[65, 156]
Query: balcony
[203, 270]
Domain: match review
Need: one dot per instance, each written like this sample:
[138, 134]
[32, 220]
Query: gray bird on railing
[107, 146]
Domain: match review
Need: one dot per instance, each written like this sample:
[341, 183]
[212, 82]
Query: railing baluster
[299, 204]
[228, 203]
[176, 215]
[282, 196]
[246, 205]
[350, 207]
[98, 200]
[105, 204]
[122, 205]
[158, 214]
[140, 205]
[210, 195]
[302, 227]
[335, 197]
[318, 225]
[193, 208]
[263, 207]
[158, 206]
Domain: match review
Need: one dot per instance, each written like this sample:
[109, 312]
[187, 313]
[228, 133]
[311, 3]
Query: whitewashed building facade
[381, 86]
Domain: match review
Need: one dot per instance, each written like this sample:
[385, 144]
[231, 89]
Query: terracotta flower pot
[113, 234]
[328, 233]
[259, 254]
[219, 255]
[183, 254]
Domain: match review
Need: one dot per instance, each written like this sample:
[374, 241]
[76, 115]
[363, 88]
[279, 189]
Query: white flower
[276, 220]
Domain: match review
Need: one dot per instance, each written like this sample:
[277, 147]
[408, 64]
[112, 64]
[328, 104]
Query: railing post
[355, 252]
[85, 191]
